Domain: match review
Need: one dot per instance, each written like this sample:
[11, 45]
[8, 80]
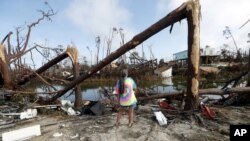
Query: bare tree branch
[18, 37]
[9, 45]
[25, 92]
[64, 82]
[31, 56]
[245, 23]
[7, 36]
[35, 47]
[45, 15]
[44, 81]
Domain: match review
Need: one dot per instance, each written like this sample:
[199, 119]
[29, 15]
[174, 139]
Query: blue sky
[80, 21]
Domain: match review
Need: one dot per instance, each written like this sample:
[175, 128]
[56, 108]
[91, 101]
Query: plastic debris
[29, 113]
[67, 103]
[67, 107]
[161, 118]
[207, 111]
[57, 134]
[72, 112]
[165, 105]
[74, 136]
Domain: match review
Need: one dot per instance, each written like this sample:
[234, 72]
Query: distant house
[180, 58]
[207, 56]
[183, 55]
[164, 72]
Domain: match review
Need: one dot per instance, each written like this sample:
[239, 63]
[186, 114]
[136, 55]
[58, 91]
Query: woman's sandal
[130, 124]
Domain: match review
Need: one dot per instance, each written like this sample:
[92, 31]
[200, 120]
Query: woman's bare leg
[119, 115]
[130, 117]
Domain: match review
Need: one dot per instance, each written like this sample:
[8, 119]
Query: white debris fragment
[161, 118]
[29, 113]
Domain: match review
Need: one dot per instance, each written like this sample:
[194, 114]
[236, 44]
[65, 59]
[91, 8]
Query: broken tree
[73, 54]
[14, 54]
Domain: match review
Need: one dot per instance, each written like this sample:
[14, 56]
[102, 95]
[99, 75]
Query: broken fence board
[22, 134]
[161, 118]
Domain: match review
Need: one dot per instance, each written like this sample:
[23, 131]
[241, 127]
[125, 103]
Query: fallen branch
[158, 96]
[25, 92]
[65, 82]
[211, 91]
[235, 79]
[44, 81]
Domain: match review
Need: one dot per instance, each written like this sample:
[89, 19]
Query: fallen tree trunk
[173, 17]
[54, 61]
[158, 96]
[238, 98]
[240, 90]
[212, 91]
[235, 79]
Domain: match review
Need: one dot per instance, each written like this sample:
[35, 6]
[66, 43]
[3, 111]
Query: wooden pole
[193, 20]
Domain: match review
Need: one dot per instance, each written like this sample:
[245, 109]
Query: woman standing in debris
[126, 97]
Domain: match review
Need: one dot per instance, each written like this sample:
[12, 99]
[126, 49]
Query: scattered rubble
[161, 120]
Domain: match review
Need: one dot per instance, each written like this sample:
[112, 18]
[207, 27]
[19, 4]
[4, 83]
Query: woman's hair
[121, 85]
[123, 75]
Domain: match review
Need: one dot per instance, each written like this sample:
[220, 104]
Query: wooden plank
[22, 134]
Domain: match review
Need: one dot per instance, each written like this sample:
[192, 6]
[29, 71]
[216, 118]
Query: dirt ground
[181, 126]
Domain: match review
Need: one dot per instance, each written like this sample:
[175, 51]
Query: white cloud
[97, 17]
[218, 14]
[161, 7]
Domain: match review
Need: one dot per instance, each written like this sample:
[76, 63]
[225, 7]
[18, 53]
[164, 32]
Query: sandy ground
[181, 126]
